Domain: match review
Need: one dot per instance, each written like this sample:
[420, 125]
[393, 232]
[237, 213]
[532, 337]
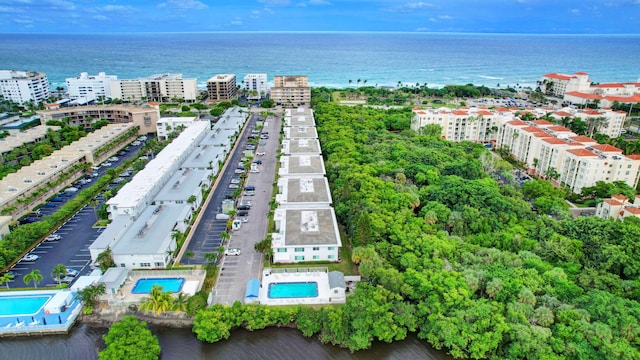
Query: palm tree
[188, 254]
[181, 303]
[105, 260]
[35, 276]
[89, 296]
[350, 82]
[225, 236]
[59, 271]
[157, 301]
[94, 205]
[358, 81]
[6, 279]
[210, 257]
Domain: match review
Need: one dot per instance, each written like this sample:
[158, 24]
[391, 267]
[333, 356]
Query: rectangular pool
[22, 305]
[171, 285]
[293, 290]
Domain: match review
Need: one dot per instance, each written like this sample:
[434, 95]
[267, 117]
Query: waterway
[84, 342]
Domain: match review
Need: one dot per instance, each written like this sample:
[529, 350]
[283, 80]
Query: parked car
[244, 207]
[262, 142]
[71, 189]
[27, 220]
[107, 164]
[233, 186]
[260, 153]
[67, 279]
[242, 213]
[136, 143]
[53, 237]
[250, 188]
[233, 252]
[240, 171]
[244, 219]
[72, 272]
[49, 205]
[259, 162]
[254, 171]
[57, 199]
[249, 193]
[30, 258]
[114, 158]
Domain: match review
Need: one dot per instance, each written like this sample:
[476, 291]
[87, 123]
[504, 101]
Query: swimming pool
[293, 290]
[144, 285]
[22, 305]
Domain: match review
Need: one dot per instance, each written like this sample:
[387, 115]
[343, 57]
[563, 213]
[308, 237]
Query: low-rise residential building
[144, 117]
[24, 188]
[19, 138]
[90, 87]
[291, 90]
[301, 165]
[301, 147]
[222, 87]
[478, 125]
[300, 132]
[24, 86]
[618, 207]
[166, 125]
[255, 86]
[558, 84]
[305, 235]
[299, 117]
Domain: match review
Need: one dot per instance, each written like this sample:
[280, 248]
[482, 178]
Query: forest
[449, 253]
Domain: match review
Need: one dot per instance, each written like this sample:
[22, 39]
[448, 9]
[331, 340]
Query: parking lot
[72, 249]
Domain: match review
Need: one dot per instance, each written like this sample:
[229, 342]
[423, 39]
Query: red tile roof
[532, 129]
[554, 141]
[633, 157]
[485, 113]
[635, 98]
[591, 112]
[542, 122]
[612, 202]
[557, 76]
[541, 134]
[634, 211]
[611, 85]
[559, 128]
[460, 113]
[581, 152]
[517, 123]
[563, 113]
[607, 148]
[582, 138]
[584, 95]
[620, 197]
[581, 73]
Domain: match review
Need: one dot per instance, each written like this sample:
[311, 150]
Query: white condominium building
[255, 86]
[558, 84]
[618, 207]
[90, 87]
[159, 87]
[24, 86]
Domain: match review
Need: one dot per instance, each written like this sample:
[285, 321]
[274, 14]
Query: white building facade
[24, 86]
[90, 87]
[255, 86]
[159, 87]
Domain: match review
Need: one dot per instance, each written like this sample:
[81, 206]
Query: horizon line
[318, 32]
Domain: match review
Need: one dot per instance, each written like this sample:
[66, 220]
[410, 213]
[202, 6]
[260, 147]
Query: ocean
[329, 59]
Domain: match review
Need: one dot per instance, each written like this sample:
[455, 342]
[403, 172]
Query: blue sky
[499, 16]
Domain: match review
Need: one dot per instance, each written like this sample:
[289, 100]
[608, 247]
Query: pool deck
[193, 281]
[321, 278]
[39, 323]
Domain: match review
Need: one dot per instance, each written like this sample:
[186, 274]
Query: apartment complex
[291, 90]
[255, 86]
[145, 117]
[222, 87]
[545, 147]
[578, 89]
[90, 87]
[24, 188]
[619, 207]
[162, 197]
[306, 225]
[24, 86]
[159, 87]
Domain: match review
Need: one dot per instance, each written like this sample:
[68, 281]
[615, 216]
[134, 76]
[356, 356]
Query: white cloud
[9, 9]
[22, 21]
[100, 17]
[445, 17]
[115, 8]
[319, 2]
[236, 22]
[575, 11]
[275, 2]
[411, 7]
[183, 4]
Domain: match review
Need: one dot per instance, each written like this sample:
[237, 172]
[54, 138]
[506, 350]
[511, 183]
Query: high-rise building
[291, 90]
[222, 87]
[255, 86]
[90, 87]
[24, 86]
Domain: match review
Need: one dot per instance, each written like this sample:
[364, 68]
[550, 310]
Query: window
[316, 248]
[145, 264]
[121, 265]
[316, 257]
[158, 264]
[331, 257]
[282, 250]
[299, 258]
[299, 250]
[331, 248]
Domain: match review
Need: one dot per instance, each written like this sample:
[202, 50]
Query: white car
[30, 258]
[72, 272]
[261, 153]
[244, 219]
[53, 237]
[254, 171]
[233, 252]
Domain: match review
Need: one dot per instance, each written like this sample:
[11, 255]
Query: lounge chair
[20, 324]
[9, 325]
[34, 323]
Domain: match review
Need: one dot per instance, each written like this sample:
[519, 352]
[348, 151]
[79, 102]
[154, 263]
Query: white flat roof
[305, 227]
[182, 185]
[301, 165]
[301, 147]
[300, 132]
[303, 190]
[151, 232]
[202, 155]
